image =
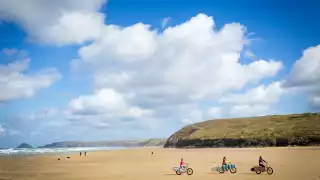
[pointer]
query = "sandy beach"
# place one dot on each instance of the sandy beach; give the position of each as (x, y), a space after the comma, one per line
(138, 164)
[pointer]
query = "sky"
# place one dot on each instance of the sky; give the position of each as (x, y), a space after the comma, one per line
(91, 70)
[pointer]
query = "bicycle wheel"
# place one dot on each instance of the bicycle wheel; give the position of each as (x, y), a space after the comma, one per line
(258, 170)
(178, 172)
(269, 170)
(233, 170)
(189, 171)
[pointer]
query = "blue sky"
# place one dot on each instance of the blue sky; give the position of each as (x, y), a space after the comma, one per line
(95, 70)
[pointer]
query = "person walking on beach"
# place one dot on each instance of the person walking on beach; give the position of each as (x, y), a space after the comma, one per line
(85, 153)
(80, 153)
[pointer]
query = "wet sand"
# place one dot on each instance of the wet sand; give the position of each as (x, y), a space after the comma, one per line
(138, 164)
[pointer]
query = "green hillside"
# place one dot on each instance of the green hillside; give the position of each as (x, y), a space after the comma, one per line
(273, 130)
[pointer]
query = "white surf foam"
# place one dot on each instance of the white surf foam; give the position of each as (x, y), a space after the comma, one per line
(33, 151)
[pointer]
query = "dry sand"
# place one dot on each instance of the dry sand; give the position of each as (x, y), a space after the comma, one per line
(138, 164)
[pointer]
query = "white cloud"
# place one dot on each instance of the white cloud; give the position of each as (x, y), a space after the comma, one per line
(165, 22)
(255, 102)
(305, 75)
(262, 94)
(15, 84)
(249, 110)
(189, 61)
(214, 112)
(306, 71)
(184, 64)
(194, 114)
(1, 131)
(133, 43)
(104, 104)
(57, 22)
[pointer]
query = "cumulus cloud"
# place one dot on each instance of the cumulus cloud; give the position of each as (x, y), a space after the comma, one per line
(15, 84)
(57, 22)
(256, 101)
(192, 60)
(184, 64)
(194, 114)
(305, 75)
(104, 104)
(262, 94)
(249, 110)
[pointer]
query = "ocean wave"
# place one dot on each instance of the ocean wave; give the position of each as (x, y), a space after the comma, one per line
(33, 151)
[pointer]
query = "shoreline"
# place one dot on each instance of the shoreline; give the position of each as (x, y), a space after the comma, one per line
(50, 151)
(294, 148)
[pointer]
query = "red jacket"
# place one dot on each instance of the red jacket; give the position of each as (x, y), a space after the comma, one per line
(181, 163)
(224, 161)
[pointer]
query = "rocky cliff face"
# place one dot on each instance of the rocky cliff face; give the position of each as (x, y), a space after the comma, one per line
(173, 140)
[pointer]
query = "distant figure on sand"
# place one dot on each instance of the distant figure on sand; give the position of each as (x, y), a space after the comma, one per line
(152, 153)
(85, 153)
(80, 154)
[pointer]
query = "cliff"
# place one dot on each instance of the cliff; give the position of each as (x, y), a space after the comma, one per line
(273, 130)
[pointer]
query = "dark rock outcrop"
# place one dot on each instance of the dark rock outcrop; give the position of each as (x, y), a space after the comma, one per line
(25, 146)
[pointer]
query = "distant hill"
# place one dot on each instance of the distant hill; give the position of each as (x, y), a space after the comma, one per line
(24, 145)
(120, 143)
(273, 130)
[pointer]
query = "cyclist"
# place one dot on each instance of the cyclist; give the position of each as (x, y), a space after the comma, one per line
(225, 163)
(261, 162)
(181, 163)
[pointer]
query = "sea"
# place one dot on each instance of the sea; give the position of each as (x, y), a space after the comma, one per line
(35, 151)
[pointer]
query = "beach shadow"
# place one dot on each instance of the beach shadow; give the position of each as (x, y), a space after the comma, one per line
(212, 162)
(253, 173)
(170, 174)
(249, 173)
(212, 173)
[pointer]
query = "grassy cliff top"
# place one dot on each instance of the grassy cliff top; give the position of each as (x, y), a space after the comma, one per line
(265, 127)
